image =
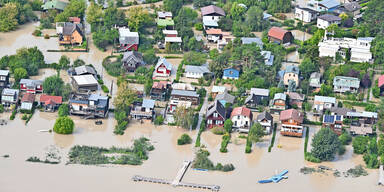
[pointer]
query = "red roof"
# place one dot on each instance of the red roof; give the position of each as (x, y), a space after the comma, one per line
(74, 19)
(28, 97)
(292, 114)
(214, 32)
(241, 111)
(277, 32)
(48, 99)
(160, 85)
(381, 81)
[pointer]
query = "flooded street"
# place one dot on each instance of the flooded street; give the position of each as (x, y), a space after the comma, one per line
(22, 141)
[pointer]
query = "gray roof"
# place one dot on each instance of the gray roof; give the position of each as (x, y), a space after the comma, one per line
(7, 91)
(212, 9)
(165, 62)
(216, 107)
(132, 56)
(346, 81)
(196, 69)
(341, 111)
(31, 82)
(268, 57)
(353, 6)
(85, 70)
(315, 75)
(184, 93)
(148, 103)
(96, 97)
(281, 96)
(128, 37)
(329, 18)
(163, 14)
(69, 28)
(325, 99)
(329, 3)
(4, 72)
(250, 40)
(264, 115)
(296, 96)
(292, 69)
(226, 97)
(307, 9)
(365, 114)
(258, 91)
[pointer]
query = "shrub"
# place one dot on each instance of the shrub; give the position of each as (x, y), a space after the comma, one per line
(359, 144)
(63, 110)
(184, 139)
(218, 130)
(341, 150)
(13, 115)
(345, 139)
(309, 157)
(46, 36)
(64, 125)
(1, 108)
(105, 89)
(159, 120)
(199, 26)
(36, 33)
(24, 117)
(224, 143)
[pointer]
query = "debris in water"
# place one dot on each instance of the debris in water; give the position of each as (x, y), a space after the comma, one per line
(356, 172)
(307, 170)
(6, 156)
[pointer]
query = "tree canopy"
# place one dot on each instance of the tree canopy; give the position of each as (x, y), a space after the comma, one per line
(325, 144)
(64, 125)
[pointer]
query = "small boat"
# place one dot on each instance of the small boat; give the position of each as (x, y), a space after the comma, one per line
(44, 130)
(197, 169)
(275, 178)
(98, 122)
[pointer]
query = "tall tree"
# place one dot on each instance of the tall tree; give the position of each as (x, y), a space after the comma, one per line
(8, 14)
(325, 144)
(125, 97)
(138, 18)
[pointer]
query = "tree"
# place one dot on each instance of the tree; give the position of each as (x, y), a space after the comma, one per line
(184, 139)
(75, 8)
(255, 19)
(279, 6)
(183, 117)
(374, 17)
(378, 49)
(201, 3)
(28, 58)
(194, 58)
(20, 73)
(219, 63)
(237, 11)
(138, 18)
(256, 132)
(63, 110)
(78, 62)
(173, 5)
(64, 62)
(8, 17)
(228, 125)
(359, 144)
(64, 125)
(125, 97)
(186, 17)
(307, 67)
(53, 85)
(94, 13)
(325, 144)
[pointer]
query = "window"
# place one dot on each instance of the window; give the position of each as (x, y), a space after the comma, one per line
(238, 117)
(215, 114)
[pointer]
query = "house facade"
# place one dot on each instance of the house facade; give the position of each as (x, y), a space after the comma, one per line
(129, 41)
(291, 121)
(257, 97)
(279, 102)
(322, 103)
(241, 118)
(280, 36)
(159, 90)
(315, 80)
(342, 84)
(211, 15)
(305, 14)
(27, 101)
(334, 122)
(326, 20)
(50, 103)
(196, 72)
(214, 35)
(296, 99)
(181, 95)
(4, 78)
(31, 86)
(291, 73)
(163, 68)
(143, 110)
(72, 34)
(9, 97)
(266, 121)
(216, 115)
(89, 105)
(132, 60)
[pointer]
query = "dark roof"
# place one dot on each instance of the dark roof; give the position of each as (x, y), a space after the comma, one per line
(212, 9)
(341, 111)
(329, 18)
(328, 119)
(216, 107)
(353, 6)
(69, 28)
(307, 9)
(132, 56)
(226, 97)
(264, 115)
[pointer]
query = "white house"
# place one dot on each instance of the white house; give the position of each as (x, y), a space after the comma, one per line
(305, 14)
(326, 20)
(163, 68)
(360, 48)
(196, 72)
(211, 15)
(266, 121)
(241, 118)
(324, 5)
(322, 102)
(214, 35)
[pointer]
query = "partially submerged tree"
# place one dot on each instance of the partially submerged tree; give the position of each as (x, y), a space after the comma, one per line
(325, 144)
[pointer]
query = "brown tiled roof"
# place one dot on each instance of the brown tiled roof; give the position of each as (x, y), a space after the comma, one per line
(241, 111)
(277, 33)
(292, 114)
(214, 32)
(48, 99)
(212, 9)
(28, 97)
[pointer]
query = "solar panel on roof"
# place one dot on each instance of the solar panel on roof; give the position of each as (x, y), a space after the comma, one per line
(338, 117)
(329, 118)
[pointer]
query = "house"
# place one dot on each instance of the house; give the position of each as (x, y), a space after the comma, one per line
(174, 104)
(268, 57)
(89, 105)
(159, 90)
(27, 101)
(322, 103)
(171, 40)
(50, 103)
(196, 72)
(132, 60)
(250, 40)
(183, 86)
(342, 84)
(291, 121)
(214, 35)
(241, 118)
(279, 102)
(225, 98)
(380, 84)
(9, 97)
(208, 23)
(280, 36)
(225, 39)
(163, 68)
(324, 5)
(266, 121)
(341, 111)
(324, 21)
(360, 48)
(231, 73)
(166, 23)
(305, 14)
(31, 86)
(217, 90)
(216, 115)
(170, 33)
(84, 70)
(296, 99)
(334, 122)
(164, 15)
(4, 78)
(143, 110)
(315, 80)
(70, 33)
(291, 73)
(257, 97)
(129, 41)
(362, 122)
(352, 8)
(84, 83)
(211, 15)
(180, 95)
(54, 4)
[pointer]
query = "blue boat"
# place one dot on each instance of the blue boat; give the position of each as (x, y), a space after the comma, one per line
(276, 178)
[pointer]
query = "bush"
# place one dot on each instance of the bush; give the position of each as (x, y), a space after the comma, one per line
(1, 108)
(218, 130)
(24, 117)
(105, 89)
(341, 150)
(345, 139)
(63, 110)
(120, 128)
(224, 143)
(309, 157)
(64, 125)
(184, 139)
(46, 36)
(359, 144)
(199, 26)
(36, 33)
(159, 120)
(13, 115)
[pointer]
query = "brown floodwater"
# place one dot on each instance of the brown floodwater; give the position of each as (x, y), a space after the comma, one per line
(22, 141)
